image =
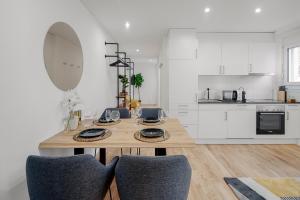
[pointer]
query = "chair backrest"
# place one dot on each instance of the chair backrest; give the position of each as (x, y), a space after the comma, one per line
(124, 112)
(150, 112)
(152, 178)
(68, 178)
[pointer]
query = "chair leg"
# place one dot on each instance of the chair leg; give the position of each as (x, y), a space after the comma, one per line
(95, 153)
(110, 193)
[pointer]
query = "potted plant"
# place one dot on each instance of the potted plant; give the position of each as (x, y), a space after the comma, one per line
(138, 82)
(125, 83)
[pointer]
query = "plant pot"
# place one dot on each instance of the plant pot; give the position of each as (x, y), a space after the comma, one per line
(123, 93)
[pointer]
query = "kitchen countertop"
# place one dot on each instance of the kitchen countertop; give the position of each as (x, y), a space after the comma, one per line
(250, 101)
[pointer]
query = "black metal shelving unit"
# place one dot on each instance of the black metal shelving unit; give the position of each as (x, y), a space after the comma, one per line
(121, 63)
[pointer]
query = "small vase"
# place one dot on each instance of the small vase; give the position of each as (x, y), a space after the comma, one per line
(73, 123)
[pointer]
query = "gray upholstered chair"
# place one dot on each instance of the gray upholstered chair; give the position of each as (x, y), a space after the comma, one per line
(68, 178)
(150, 112)
(153, 178)
(124, 112)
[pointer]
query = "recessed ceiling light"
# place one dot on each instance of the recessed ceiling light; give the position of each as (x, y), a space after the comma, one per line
(137, 50)
(258, 10)
(127, 25)
(207, 10)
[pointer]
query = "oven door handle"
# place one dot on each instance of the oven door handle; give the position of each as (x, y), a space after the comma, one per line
(271, 113)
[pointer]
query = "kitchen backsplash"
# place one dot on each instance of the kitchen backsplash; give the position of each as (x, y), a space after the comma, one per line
(256, 87)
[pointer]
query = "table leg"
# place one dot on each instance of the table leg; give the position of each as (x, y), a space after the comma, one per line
(78, 151)
(160, 151)
(102, 156)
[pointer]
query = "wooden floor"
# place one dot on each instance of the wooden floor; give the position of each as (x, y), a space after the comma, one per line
(210, 163)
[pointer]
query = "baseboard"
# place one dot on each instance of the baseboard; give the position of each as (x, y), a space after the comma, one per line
(248, 141)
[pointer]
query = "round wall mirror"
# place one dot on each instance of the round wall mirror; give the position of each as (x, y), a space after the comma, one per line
(63, 56)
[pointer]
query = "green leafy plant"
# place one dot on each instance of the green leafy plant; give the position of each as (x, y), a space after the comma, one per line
(125, 82)
(138, 81)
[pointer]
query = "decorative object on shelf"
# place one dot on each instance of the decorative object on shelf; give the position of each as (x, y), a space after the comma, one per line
(135, 104)
(125, 84)
(71, 104)
(138, 135)
(78, 138)
(138, 82)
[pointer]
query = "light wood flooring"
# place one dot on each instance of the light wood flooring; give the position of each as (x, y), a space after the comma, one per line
(211, 163)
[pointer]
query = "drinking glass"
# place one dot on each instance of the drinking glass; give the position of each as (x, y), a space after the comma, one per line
(161, 114)
(138, 113)
(115, 115)
(108, 115)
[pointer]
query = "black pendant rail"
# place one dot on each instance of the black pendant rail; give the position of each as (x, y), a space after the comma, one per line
(121, 62)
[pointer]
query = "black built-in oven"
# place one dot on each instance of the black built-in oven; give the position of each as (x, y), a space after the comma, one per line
(270, 121)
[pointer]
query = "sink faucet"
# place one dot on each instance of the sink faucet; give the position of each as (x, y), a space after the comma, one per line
(207, 93)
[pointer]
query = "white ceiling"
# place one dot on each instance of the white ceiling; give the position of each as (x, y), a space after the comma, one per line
(150, 19)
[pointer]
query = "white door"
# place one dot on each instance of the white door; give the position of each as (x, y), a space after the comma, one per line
(262, 58)
(183, 82)
(241, 124)
(235, 58)
(182, 44)
(209, 59)
(292, 121)
(212, 124)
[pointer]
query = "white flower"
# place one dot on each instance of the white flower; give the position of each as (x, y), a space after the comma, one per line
(71, 101)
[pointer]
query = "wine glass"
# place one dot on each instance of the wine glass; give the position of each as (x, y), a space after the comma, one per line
(108, 115)
(161, 115)
(115, 115)
(139, 113)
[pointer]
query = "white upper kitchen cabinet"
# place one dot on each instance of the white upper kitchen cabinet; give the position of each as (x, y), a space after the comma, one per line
(292, 125)
(262, 58)
(209, 59)
(183, 83)
(183, 44)
(241, 121)
(235, 58)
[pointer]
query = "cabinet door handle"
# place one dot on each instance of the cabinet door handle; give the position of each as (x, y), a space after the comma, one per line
(183, 112)
(225, 116)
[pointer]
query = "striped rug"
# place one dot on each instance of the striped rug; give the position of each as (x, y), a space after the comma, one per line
(265, 188)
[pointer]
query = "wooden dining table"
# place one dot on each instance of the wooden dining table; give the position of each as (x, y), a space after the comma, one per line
(122, 136)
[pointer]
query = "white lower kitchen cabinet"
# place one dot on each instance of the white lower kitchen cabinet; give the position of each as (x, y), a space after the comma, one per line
(212, 124)
(185, 116)
(241, 123)
(192, 130)
(292, 122)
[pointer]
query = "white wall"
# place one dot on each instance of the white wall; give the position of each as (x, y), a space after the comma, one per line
(149, 90)
(30, 110)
